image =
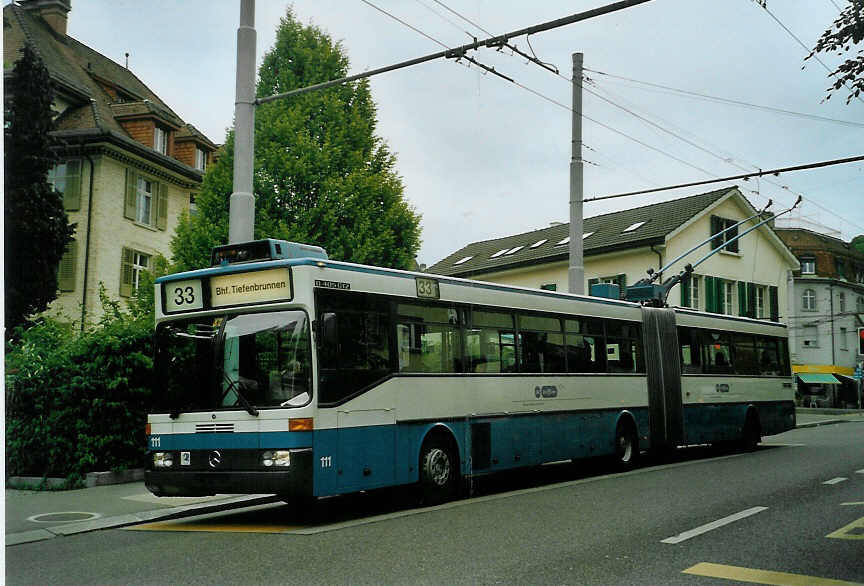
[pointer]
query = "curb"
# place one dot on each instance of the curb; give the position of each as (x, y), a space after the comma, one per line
(91, 479)
(141, 517)
(818, 423)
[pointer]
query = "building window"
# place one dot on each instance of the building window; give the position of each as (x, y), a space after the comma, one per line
(761, 294)
(200, 159)
(844, 339)
(727, 298)
(144, 190)
(810, 337)
(133, 265)
(193, 206)
(719, 224)
(859, 305)
(65, 178)
(691, 291)
(841, 302)
(808, 266)
(160, 140)
(808, 300)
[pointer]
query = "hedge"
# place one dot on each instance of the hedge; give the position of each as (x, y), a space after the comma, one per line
(78, 402)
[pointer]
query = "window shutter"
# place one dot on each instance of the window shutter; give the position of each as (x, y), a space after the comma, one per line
(126, 272)
(162, 199)
(710, 295)
(72, 193)
(733, 247)
(685, 289)
(622, 284)
(592, 282)
(774, 303)
(66, 270)
(751, 300)
(131, 194)
(743, 308)
(716, 226)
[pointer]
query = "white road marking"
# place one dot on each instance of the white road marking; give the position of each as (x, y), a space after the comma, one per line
(837, 480)
(859, 471)
(778, 445)
(713, 525)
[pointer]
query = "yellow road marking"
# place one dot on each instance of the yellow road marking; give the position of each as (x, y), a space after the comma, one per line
(761, 576)
(179, 526)
(854, 530)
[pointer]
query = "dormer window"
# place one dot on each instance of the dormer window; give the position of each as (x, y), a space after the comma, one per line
(200, 159)
(160, 140)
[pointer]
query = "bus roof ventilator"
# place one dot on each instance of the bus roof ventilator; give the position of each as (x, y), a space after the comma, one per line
(261, 250)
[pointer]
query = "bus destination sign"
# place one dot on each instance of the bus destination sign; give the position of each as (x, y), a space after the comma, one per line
(251, 287)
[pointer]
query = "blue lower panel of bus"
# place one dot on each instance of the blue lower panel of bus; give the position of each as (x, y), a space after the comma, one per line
(362, 458)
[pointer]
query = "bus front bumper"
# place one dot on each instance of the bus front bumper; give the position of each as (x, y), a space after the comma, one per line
(294, 480)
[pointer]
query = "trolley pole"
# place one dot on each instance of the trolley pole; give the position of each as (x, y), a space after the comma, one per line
(241, 214)
(576, 270)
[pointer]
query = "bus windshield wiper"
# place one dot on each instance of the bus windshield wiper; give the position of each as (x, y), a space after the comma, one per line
(236, 385)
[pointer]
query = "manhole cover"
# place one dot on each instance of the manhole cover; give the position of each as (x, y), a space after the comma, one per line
(65, 517)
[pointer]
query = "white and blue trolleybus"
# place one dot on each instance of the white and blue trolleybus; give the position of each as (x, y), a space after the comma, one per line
(284, 372)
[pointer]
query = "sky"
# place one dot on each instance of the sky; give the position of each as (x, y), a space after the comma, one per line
(482, 157)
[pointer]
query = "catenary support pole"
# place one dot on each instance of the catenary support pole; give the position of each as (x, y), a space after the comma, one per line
(576, 269)
(241, 215)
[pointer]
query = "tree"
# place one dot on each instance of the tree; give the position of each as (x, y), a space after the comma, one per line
(321, 176)
(36, 226)
(857, 243)
(846, 31)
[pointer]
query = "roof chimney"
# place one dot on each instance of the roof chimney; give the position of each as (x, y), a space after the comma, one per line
(54, 12)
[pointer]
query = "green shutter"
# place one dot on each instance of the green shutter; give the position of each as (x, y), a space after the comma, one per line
(685, 289)
(743, 309)
(162, 205)
(716, 226)
(622, 284)
(710, 295)
(72, 193)
(774, 303)
(733, 233)
(126, 272)
(66, 270)
(131, 194)
(751, 300)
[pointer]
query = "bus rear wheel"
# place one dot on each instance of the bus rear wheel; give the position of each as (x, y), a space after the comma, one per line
(439, 472)
(626, 446)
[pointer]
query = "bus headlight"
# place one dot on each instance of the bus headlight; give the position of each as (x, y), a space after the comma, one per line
(272, 458)
(163, 460)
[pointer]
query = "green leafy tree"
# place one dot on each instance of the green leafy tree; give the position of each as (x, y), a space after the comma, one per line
(36, 227)
(858, 243)
(847, 30)
(322, 176)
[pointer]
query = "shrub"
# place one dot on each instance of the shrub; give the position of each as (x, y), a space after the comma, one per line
(77, 402)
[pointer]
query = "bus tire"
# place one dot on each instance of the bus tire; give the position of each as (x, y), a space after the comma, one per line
(626, 445)
(751, 434)
(439, 471)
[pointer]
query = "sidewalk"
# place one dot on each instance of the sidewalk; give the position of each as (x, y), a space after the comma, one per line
(813, 417)
(37, 515)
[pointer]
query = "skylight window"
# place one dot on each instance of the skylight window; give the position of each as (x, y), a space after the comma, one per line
(632, 227)
(466, 259)
(586, 235)
(515, 250)
(539, 242)
(565, 241)
(499, 253)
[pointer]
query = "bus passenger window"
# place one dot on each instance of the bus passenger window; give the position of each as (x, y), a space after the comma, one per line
(768, 356)
(745, 354)
(717, 353)
(621, 355)
(690, 351)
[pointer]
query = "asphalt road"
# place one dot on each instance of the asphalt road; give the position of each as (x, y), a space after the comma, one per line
(707, 513)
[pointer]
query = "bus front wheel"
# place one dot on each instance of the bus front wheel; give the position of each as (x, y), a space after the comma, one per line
(439, 472)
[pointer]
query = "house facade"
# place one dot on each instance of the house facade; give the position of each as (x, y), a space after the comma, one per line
(129, 165)
(751, 277)
(828, 295)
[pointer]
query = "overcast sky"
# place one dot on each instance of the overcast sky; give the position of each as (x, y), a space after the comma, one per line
(481, 157)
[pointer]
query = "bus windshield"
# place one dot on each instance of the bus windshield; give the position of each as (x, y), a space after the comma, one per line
(239, 361)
